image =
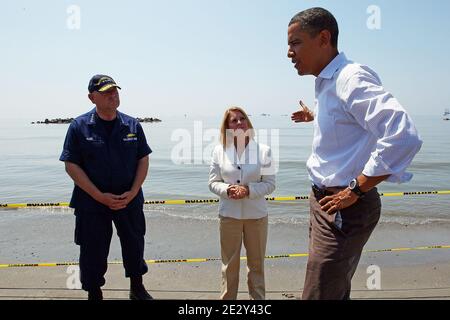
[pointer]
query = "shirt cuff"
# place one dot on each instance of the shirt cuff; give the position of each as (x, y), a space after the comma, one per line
(224, 190)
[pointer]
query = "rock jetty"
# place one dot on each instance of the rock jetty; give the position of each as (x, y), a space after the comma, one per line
(54, 121)
(148, 120)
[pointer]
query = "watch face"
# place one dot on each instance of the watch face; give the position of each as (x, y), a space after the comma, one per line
(353, 184)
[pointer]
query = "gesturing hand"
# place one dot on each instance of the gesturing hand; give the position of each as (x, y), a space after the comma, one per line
(304, 115)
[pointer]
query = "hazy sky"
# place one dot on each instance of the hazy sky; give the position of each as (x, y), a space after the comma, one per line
(198, 57)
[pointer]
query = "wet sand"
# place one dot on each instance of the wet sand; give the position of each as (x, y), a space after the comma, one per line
(284, 280)
(38, 238)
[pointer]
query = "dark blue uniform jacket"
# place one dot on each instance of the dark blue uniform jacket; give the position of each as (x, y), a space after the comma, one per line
(110, 163)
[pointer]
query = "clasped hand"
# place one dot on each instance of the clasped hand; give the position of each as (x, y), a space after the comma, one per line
(117, 202)
(237, 192)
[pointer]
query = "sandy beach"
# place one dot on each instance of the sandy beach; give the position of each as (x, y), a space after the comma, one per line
(284, 280)
(413, 274)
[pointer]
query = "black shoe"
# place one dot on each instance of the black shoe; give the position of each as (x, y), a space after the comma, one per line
(140, 294)
(95, 294)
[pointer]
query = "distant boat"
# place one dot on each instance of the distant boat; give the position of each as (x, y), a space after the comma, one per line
(447, 115)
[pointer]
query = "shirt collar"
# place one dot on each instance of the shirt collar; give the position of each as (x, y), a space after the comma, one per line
(329, 71)
(92, 117)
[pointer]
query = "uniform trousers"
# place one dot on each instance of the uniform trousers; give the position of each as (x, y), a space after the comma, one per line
(93, 233)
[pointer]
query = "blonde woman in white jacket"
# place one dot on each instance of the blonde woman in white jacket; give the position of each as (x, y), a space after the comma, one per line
(242, 174)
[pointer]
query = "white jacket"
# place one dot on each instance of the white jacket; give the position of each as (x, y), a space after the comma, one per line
(254, 169)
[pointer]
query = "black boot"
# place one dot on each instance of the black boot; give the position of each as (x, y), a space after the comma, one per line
(95, 294)
(137, 289)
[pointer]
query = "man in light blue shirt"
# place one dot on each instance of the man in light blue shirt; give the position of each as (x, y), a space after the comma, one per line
(362, 136)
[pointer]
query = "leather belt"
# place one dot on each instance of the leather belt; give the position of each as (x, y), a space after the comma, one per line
(320, 193)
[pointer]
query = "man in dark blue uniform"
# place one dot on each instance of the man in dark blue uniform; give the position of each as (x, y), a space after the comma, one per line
(106, 155)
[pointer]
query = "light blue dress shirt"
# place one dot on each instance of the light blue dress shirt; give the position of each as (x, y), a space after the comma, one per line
(359, 127)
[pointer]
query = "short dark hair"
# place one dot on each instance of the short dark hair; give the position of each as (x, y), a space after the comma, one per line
(315, 20)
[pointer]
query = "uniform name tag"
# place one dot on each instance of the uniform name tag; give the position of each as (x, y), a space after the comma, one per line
(94, 139)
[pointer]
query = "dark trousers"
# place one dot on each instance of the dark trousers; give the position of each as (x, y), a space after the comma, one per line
(334, 252)
(93, 233)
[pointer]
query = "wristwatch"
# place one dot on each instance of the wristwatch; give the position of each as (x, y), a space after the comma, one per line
(354, 187)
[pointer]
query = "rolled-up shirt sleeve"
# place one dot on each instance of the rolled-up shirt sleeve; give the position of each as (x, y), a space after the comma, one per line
(378, 112)
(71, 150)
(216, 183)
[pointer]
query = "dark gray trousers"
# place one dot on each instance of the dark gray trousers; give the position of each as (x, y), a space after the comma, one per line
(334, 252)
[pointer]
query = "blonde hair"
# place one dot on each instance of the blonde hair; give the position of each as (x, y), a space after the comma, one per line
(224, 126)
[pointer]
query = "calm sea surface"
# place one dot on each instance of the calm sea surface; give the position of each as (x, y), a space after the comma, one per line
(30, 171)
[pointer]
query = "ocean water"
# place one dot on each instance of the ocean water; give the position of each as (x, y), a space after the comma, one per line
(30, 171)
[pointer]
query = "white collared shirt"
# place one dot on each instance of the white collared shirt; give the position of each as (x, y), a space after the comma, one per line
(359, 127)
(227, 168)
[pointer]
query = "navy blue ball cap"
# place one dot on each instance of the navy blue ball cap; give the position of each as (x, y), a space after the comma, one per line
(101, 83)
